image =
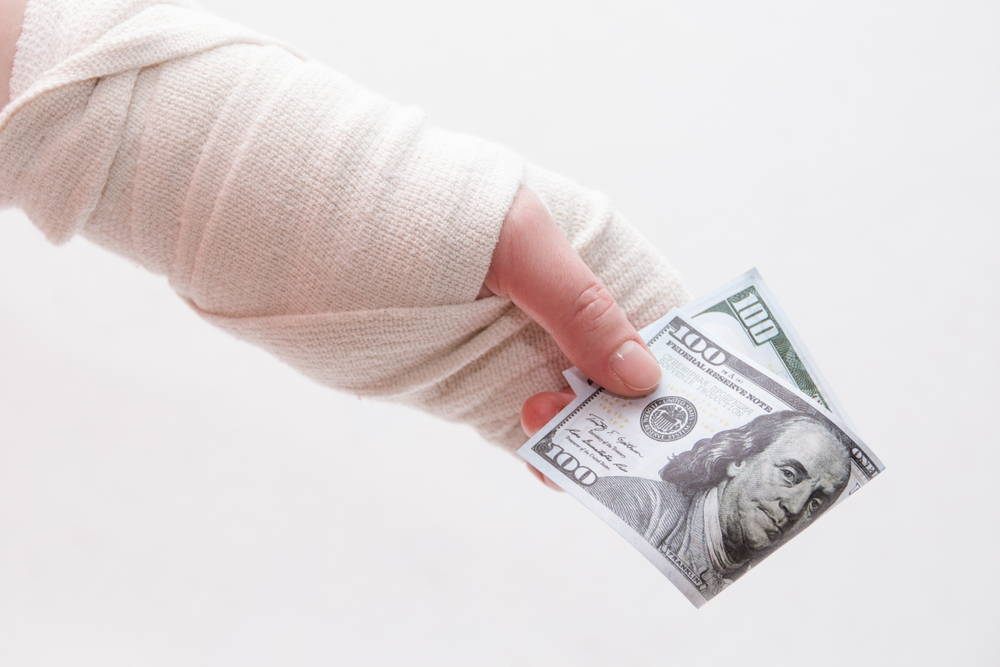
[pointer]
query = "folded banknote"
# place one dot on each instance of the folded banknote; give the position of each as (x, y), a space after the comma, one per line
(740, 448)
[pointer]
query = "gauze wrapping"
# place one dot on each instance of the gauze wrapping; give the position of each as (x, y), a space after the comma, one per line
(293, 208)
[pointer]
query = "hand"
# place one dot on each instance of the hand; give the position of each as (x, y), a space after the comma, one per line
(535, 267)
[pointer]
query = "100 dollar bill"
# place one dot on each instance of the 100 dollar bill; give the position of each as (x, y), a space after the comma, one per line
(745, 315)
(722, 464)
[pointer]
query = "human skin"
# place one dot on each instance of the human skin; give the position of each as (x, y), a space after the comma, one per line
(770, 497)
(11, 17)
(534, 266)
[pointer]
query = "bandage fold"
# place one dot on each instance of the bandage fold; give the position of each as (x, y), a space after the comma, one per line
(293, 208)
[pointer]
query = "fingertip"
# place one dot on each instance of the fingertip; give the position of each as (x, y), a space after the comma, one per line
(635, 367)
(543, 479)
(552, 485)
(540, 409)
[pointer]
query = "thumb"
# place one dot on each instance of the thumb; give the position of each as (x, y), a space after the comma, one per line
(535, 267)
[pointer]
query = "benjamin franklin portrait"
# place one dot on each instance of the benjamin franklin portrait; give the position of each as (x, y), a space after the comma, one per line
(735, 497)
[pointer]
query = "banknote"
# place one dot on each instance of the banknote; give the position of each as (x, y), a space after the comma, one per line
(714, 470)
(745, 315)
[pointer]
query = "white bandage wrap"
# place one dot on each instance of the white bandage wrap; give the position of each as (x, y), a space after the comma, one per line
(293, 208)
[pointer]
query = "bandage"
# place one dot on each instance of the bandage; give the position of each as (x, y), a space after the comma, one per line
(294, 209)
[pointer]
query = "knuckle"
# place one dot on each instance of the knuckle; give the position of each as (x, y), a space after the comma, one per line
(593, 310)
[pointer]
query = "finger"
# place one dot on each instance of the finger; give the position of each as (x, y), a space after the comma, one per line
(543, 479)
(539, 410)
(535, 267)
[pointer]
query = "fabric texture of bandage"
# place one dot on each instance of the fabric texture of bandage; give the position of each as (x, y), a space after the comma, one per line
(293, 208)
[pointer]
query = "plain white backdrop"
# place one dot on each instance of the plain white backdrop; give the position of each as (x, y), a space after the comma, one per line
(169, 496)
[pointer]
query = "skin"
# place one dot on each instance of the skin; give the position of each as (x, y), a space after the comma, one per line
(533, 265)
(772, 496)
(11, 17)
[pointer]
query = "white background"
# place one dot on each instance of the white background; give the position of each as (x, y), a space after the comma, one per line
(169, 496)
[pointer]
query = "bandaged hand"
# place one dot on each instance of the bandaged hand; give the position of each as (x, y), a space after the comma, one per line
(301, 213)
(535, 267)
